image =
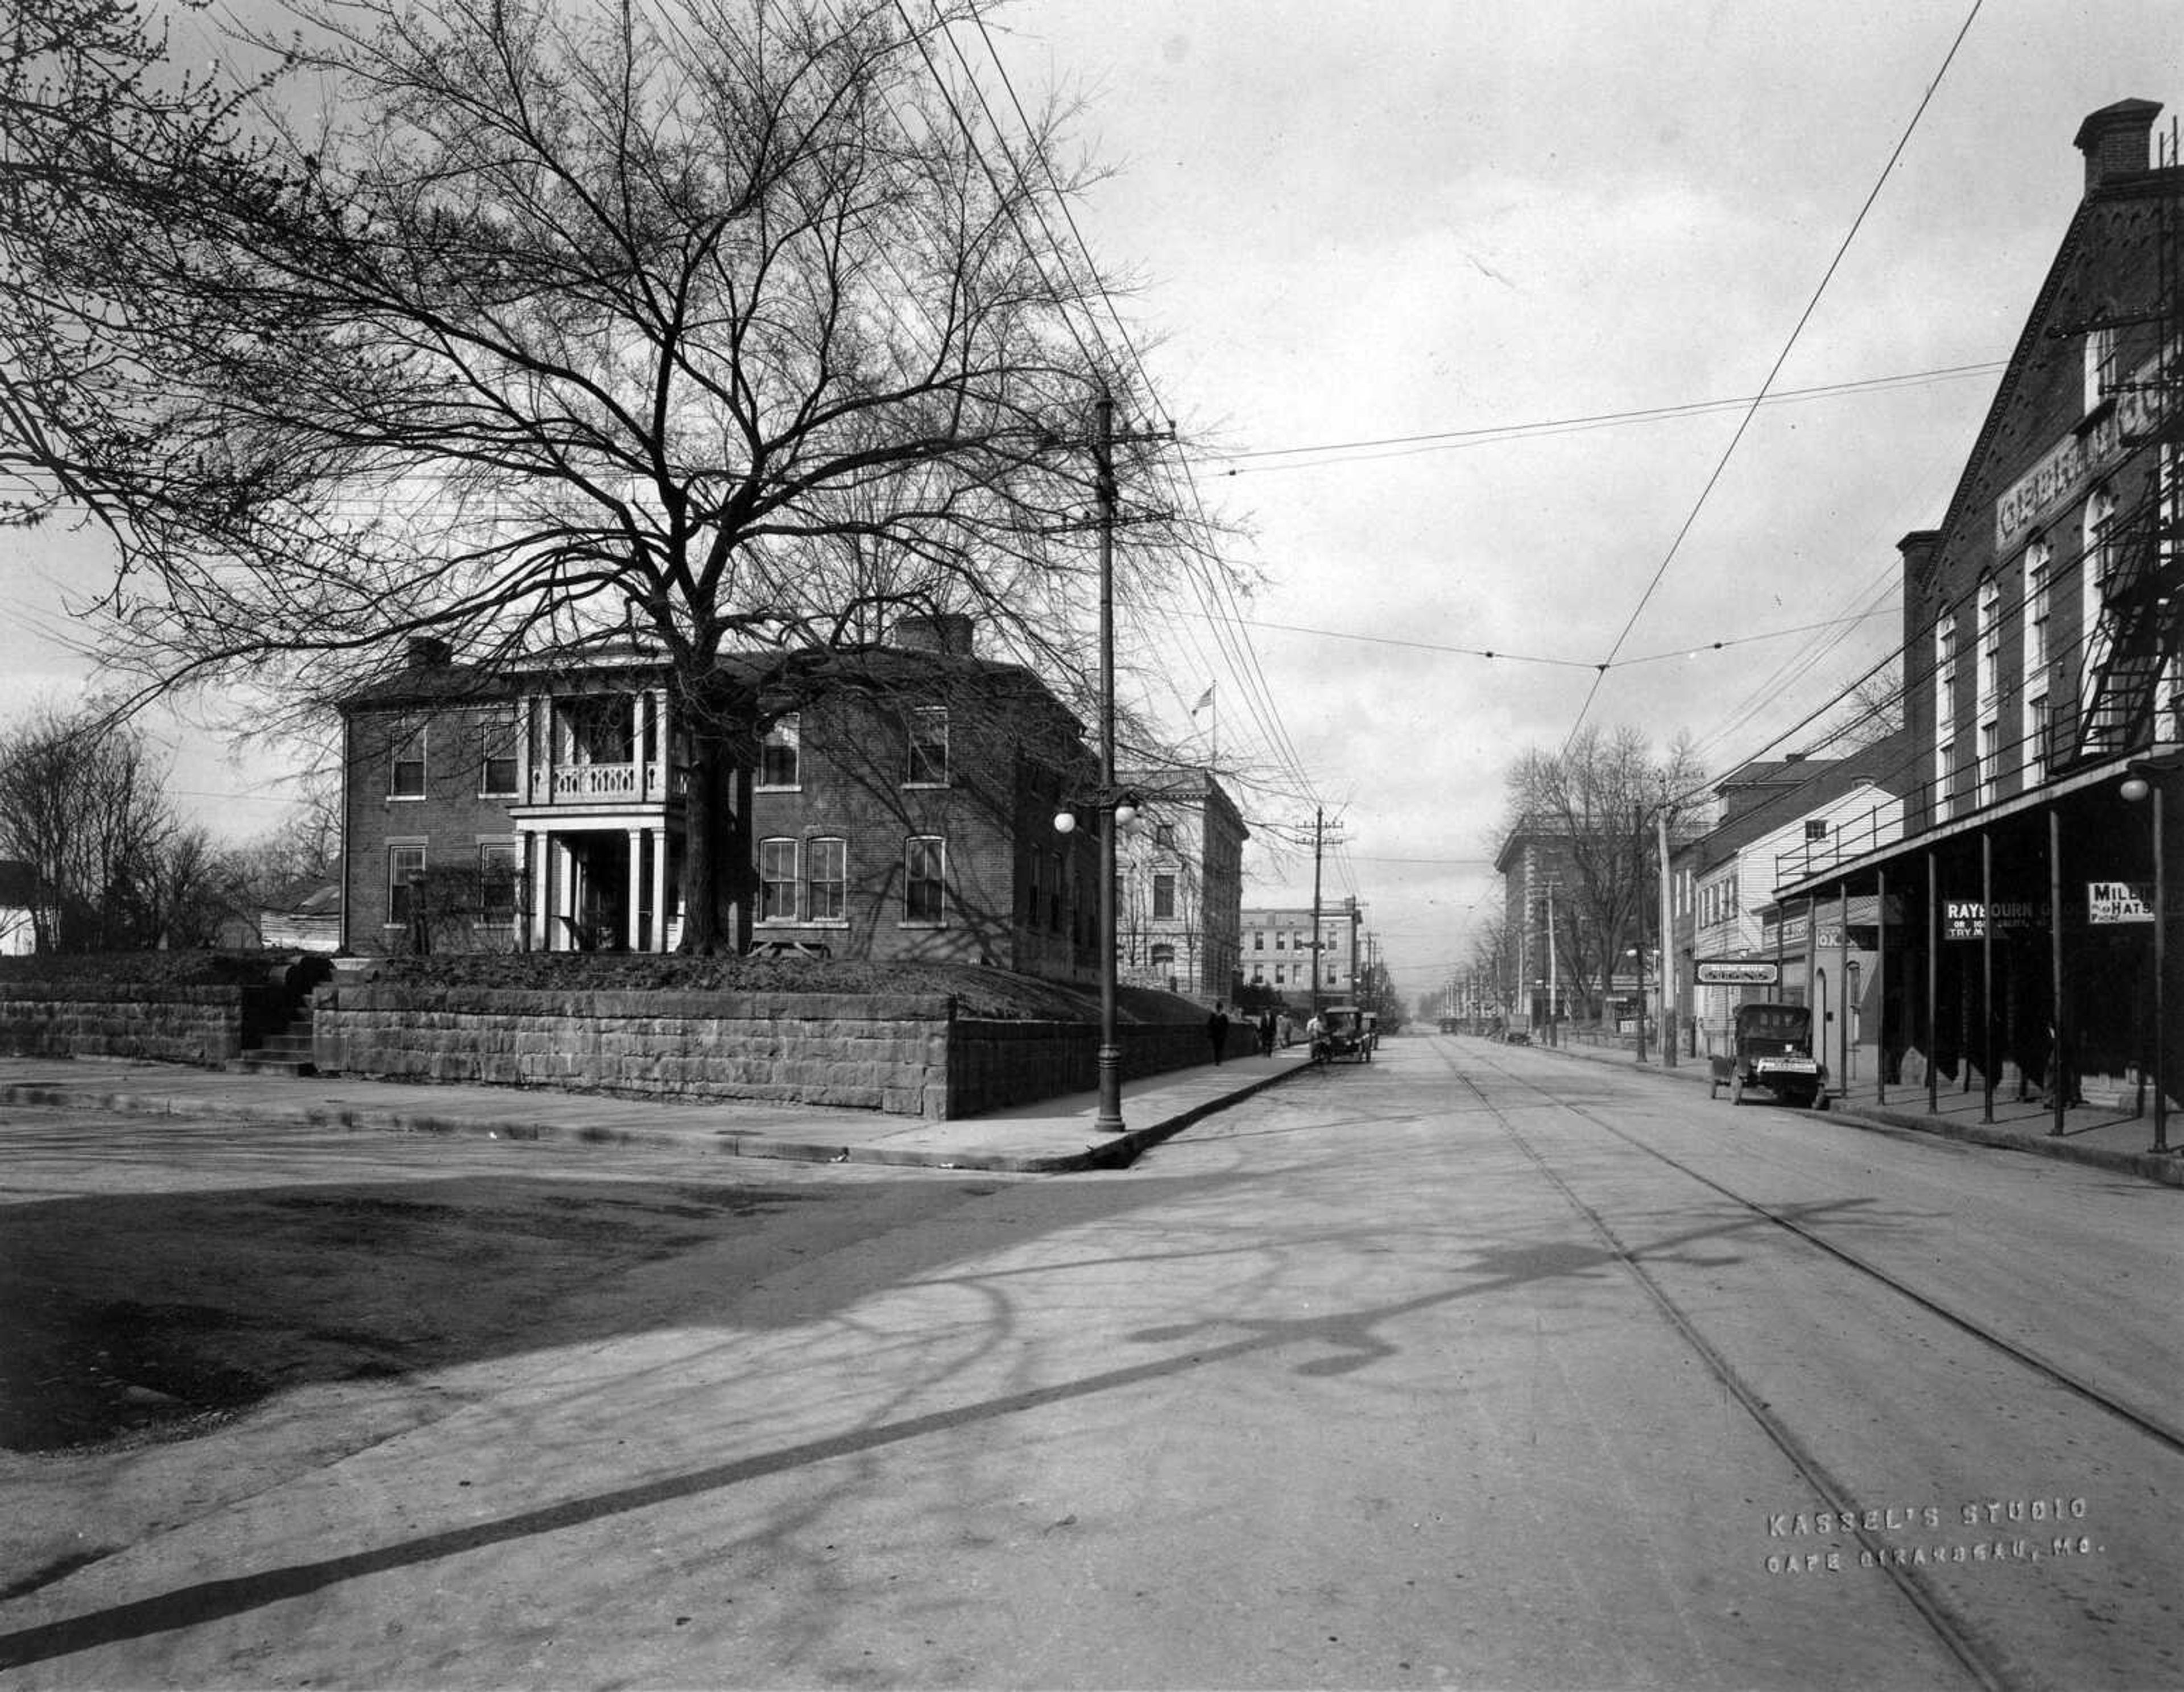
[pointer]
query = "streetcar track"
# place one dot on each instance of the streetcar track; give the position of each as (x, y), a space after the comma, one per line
(2056, 1374)
(1954, 1631)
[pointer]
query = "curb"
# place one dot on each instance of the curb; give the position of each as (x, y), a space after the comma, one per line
(1117, 1153)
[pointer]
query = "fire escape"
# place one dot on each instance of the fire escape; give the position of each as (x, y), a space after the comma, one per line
(2134, 647)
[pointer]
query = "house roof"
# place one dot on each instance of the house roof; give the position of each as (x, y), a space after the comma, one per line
(1779, 791)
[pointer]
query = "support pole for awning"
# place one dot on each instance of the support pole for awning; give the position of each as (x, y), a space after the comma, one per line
(1987, 975)
(2160, 971)
(1881, 974)
(2058, 1082)
(1933, 982)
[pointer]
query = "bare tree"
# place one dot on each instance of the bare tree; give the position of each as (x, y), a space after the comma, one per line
(82, 803)
(1596, 799)
(728, 322)
(1871, 710)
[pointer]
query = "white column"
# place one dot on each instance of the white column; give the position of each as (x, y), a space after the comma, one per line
(660, 764)
(534, 889)
(635, 886)
(565, 900)
(659, 889)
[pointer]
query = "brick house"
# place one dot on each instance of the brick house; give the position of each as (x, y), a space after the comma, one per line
(1278, 952)
(903, 810)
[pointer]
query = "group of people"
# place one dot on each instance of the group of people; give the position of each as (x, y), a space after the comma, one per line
(1267, 1026)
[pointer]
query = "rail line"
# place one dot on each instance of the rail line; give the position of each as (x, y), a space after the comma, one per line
(1953, 1632)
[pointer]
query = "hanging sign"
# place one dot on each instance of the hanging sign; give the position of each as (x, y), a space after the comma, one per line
(2118, 902)
(1738, 972)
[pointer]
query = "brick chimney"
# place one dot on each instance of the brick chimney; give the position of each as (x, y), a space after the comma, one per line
(950, 632)
(2114, 140)
(429, 652)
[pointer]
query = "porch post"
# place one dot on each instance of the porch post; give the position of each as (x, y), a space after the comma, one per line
(1881, 984)
(1933, 982)
(565, 900)
(1987, 975)
(2058, 1023)
(659, 889)
(633, 923)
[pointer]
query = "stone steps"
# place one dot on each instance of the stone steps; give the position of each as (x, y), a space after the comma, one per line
(287, 1052)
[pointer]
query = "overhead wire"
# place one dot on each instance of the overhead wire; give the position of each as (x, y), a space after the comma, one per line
(1743, 423)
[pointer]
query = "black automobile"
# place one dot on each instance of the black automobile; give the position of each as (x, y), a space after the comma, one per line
(1770, 1047)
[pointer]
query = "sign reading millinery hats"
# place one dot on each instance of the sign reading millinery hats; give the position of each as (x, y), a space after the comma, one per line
(2118, 902)
(1738, 972)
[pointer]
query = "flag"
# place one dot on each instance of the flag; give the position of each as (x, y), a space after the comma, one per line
(1204, 699)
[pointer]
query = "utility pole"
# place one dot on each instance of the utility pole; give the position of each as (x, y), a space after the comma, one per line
(1318, 843)
(1108, 1116)
(1668, 1018)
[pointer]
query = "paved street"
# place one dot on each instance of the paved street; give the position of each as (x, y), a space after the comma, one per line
(1473, 1366)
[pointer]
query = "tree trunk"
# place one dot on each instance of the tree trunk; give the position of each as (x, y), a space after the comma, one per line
(717, 871)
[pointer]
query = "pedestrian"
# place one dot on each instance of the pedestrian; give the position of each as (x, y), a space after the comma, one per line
(1266, 1033)
(1315, 1033)
(1216, 1030)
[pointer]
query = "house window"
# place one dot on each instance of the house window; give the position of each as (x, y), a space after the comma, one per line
(2036, 739)
(776, 881)
(777, 753)
(403, 862)
(1945, 759)
(1816, 829)
(828, 864)
(1163, 957)
(1164, 896)
(925, 873)
(496, 732)
(1164, 835)
(929, 747)
(1281, 971)
(1258, 940)
(1990, 753)
(405, 778)
(1280, 942)
(499, 864)
(1945, 677)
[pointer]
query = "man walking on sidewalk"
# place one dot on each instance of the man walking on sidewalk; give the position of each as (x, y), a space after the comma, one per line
(1216, 1030)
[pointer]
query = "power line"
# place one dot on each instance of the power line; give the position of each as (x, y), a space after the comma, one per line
(1781, 358)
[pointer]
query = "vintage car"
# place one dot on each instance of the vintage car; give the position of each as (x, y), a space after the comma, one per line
(1343, 1034)
(1771, 1046)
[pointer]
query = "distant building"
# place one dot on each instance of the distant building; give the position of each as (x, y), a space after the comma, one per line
(1279, 951)
(18, 895)
(303, 916)
(1179, 870)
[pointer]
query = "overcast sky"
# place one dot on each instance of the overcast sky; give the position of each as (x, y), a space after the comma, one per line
(1364, 222)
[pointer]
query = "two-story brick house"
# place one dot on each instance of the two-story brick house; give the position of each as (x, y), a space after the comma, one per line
(902, 809)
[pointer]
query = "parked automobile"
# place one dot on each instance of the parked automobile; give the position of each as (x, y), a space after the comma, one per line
(1343, 1034)
(1770, 1047)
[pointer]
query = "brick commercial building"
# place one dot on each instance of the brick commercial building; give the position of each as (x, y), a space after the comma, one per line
(904, 811)
(2032, 937)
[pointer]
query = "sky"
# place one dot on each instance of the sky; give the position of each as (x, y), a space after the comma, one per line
(1353, 223)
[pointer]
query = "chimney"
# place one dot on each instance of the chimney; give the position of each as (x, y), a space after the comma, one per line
(1917, 551)
(2114, 140)
(428, 652)
(950, 632)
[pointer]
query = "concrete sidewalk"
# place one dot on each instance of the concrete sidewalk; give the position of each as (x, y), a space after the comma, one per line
(2104, 1136)
(1049, 1138)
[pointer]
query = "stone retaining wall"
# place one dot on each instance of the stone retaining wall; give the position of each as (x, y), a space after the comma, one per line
(194, 1025)
(907, 1055)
